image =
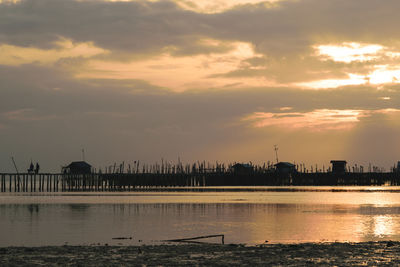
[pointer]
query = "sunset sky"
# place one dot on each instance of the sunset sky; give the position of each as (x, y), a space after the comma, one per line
(214, 80)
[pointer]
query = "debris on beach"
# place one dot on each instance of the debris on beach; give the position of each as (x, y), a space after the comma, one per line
(332, 254)
(192, 239)
(121, 238)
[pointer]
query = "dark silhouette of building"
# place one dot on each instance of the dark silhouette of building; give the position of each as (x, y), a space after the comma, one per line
(338, 166)
(77, 167)
(242, 168)
(285, 168)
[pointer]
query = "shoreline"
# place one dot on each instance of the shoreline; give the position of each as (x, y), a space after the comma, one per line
(342, 254)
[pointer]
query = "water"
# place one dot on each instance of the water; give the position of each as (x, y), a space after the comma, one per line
(244, 215)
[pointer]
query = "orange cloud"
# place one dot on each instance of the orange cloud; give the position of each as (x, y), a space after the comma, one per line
(316, 120)
(179, 72)
(9, 1)
(16, 55)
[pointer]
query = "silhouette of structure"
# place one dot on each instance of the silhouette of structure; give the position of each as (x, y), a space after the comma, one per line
(276, 153)
(79, 176)
(77, 167)
(338, 166)
(285, 168)
(242, 168)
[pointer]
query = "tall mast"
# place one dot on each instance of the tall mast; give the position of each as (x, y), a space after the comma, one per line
(15, 165)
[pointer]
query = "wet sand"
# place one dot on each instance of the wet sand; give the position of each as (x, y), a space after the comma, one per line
(338, 254)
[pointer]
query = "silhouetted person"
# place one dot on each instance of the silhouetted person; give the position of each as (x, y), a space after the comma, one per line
(30, 170)
(37, 168)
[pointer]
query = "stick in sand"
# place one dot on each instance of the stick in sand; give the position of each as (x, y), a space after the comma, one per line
(195, 238)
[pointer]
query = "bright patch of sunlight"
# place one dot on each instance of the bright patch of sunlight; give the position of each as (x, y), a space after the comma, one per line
(383, 225)
(334, 83)
(385, 74)
(348, 52)
(379, 75)
(216, 6)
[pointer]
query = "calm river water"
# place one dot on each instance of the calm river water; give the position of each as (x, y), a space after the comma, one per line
(248, 215)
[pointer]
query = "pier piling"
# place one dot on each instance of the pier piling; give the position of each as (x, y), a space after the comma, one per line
(189, 176)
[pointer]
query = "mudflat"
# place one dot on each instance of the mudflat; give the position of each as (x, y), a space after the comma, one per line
(339, 254)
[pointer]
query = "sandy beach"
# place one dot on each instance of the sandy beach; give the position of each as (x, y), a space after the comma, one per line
(331, 254)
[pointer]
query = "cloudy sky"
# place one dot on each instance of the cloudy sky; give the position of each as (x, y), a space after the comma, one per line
(206, 80)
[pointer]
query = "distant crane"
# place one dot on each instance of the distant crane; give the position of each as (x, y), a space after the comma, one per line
(276, 153)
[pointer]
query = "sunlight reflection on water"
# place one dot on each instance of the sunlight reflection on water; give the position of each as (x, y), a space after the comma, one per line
(246, 216)
(383, 225)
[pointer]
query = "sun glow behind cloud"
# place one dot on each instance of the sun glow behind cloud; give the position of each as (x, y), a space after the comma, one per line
(316, 120)
(349, 52)
(385, 74)
(381, 68)
(353, 79)
(215, 6)
(208, 6)
(179, 72)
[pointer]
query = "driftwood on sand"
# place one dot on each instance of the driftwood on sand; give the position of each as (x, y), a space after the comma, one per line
(191, 239)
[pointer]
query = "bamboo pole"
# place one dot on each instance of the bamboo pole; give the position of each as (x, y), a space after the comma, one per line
(196, 238)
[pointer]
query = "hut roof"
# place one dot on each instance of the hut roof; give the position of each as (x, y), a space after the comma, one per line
(285, 164)
(242, 165)
(339, 161)
(79, 164)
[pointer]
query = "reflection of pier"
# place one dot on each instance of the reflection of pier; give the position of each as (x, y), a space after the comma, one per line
(50, 182)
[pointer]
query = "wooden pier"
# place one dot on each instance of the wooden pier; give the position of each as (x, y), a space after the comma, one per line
(57, 182)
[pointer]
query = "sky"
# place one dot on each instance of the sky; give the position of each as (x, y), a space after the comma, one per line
(194, 80)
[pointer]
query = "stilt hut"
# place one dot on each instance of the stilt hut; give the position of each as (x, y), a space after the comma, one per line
(338, 166)
(242, 168)
(77, 167)
(285, 168)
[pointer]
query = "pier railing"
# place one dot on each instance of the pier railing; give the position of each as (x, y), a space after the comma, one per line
(57, 182)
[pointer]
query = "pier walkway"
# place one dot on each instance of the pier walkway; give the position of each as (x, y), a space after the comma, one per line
(57, 182)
